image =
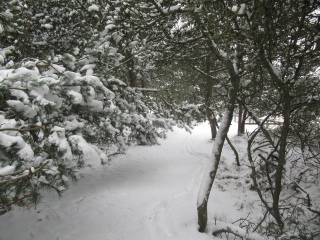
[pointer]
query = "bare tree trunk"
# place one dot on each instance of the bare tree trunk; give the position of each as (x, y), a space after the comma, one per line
(282, 157)
(212, 168)
(212, 123)
(232, 68)
(240, 120)
(208, 95)
(133, 82)
(243, 121)
(214, 161)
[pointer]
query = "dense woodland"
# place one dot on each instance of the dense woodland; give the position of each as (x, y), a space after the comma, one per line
(90, 78)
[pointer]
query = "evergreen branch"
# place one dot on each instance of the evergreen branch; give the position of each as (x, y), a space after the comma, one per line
(158, 8)
(162, 98)
(46, 64)
(214, 72)
(21, 130)
(147, 89)
(115, 66)
(50, 186)
(22, 89)
(16, 179)
(27, 59)
(83, 6)
(188, 41)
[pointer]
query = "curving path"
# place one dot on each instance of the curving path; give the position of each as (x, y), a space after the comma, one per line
(149, 193)
(173, 216)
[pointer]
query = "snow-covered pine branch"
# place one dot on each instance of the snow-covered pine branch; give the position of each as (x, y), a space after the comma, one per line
(58, 120)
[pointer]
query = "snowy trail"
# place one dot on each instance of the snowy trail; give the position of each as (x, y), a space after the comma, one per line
(149, 193)
(169, 217)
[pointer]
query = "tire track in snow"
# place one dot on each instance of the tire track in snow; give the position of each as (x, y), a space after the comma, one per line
(161, 213)
(189, 148)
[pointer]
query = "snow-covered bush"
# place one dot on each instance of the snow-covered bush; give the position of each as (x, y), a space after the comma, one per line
(300, 199)
(54, 120)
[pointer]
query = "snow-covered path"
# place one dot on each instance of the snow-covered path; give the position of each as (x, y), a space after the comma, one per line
(149, 193)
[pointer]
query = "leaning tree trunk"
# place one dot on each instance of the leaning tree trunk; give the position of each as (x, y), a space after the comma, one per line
(213, 164)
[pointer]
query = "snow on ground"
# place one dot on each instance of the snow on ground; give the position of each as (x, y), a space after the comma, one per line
(149, 193)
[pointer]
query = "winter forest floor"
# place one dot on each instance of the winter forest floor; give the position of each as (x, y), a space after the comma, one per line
(148, 193)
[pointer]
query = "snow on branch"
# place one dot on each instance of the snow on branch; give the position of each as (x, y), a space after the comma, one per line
(14, 177)
(276, 72)
(258, 122)
(221, 227)
(222, 53)
(21, 129)
(146, 89)
(214, 72)
(166, 11)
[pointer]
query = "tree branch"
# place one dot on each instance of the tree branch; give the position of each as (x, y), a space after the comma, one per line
(214, 72)
(21, 130)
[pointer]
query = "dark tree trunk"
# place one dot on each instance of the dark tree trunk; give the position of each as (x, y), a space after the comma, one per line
(242, 116)
(240, 120)
(213, 128)
(132, 73)
(243, 121)
(282, 157)
(208, 95)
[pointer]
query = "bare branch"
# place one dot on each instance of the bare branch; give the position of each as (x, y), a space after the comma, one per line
(147, 89)
(214, 72)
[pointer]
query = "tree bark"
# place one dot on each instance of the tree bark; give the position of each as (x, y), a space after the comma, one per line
(214, 161)
(242, 116)
(212, 123)
(208, 95)
(243, 121)
(211, 171)
(240, 120)
(282, 156)
(133, 82)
